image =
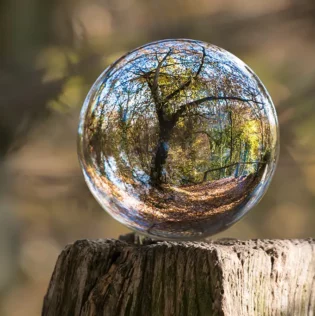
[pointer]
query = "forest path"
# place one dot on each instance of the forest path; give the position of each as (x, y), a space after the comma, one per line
(203, 199)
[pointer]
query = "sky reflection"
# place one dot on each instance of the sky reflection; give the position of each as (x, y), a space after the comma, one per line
(180, 137)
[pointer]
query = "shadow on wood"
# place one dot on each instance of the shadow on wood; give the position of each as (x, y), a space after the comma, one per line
(224, 277)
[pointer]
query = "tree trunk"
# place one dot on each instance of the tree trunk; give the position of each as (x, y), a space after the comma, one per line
(224, 277)
(157, 174)
(159, 162)
(231, 137)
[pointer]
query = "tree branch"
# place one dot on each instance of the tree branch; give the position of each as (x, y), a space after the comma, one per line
(231, 165)
(154, 86)
(183, 108)
(188, 82)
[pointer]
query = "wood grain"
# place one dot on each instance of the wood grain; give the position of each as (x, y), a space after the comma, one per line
(224, 277)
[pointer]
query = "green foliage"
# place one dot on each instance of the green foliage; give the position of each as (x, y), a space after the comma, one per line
(180, 115)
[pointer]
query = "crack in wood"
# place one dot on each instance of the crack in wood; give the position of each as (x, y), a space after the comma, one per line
(223, 277)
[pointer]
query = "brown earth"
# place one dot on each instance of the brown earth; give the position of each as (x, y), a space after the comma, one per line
(201, 200)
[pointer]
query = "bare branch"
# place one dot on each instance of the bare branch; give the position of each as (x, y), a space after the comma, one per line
(231, 165)
(154, 86)
(188, 82)
(183, 108)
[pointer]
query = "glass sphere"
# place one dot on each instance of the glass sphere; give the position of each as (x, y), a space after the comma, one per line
(178, 139)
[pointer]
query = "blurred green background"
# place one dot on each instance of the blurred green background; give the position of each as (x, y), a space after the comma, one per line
(50, 54)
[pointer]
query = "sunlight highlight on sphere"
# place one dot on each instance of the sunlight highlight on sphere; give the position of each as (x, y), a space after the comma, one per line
(178, 139)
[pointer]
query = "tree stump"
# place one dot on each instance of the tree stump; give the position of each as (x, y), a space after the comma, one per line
(224, 277)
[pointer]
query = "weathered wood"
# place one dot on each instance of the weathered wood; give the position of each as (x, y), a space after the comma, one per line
(224, 277)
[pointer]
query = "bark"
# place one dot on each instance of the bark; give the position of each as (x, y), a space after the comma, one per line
(190, 105)
(187, 83)
(224, 277)
(166, 124)
(231, 136)
(161, 153)
(231, 165)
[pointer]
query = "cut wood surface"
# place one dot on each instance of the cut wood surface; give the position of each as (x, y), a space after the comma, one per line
(223, 277)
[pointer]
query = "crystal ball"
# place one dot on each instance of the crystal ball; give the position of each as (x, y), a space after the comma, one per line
(178, 139)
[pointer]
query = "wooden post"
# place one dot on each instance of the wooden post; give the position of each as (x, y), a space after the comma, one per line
(224, 277)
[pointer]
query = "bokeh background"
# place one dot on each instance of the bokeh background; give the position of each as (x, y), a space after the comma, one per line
(50, 54)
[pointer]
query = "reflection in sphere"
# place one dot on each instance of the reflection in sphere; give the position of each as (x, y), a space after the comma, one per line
(178, 139)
